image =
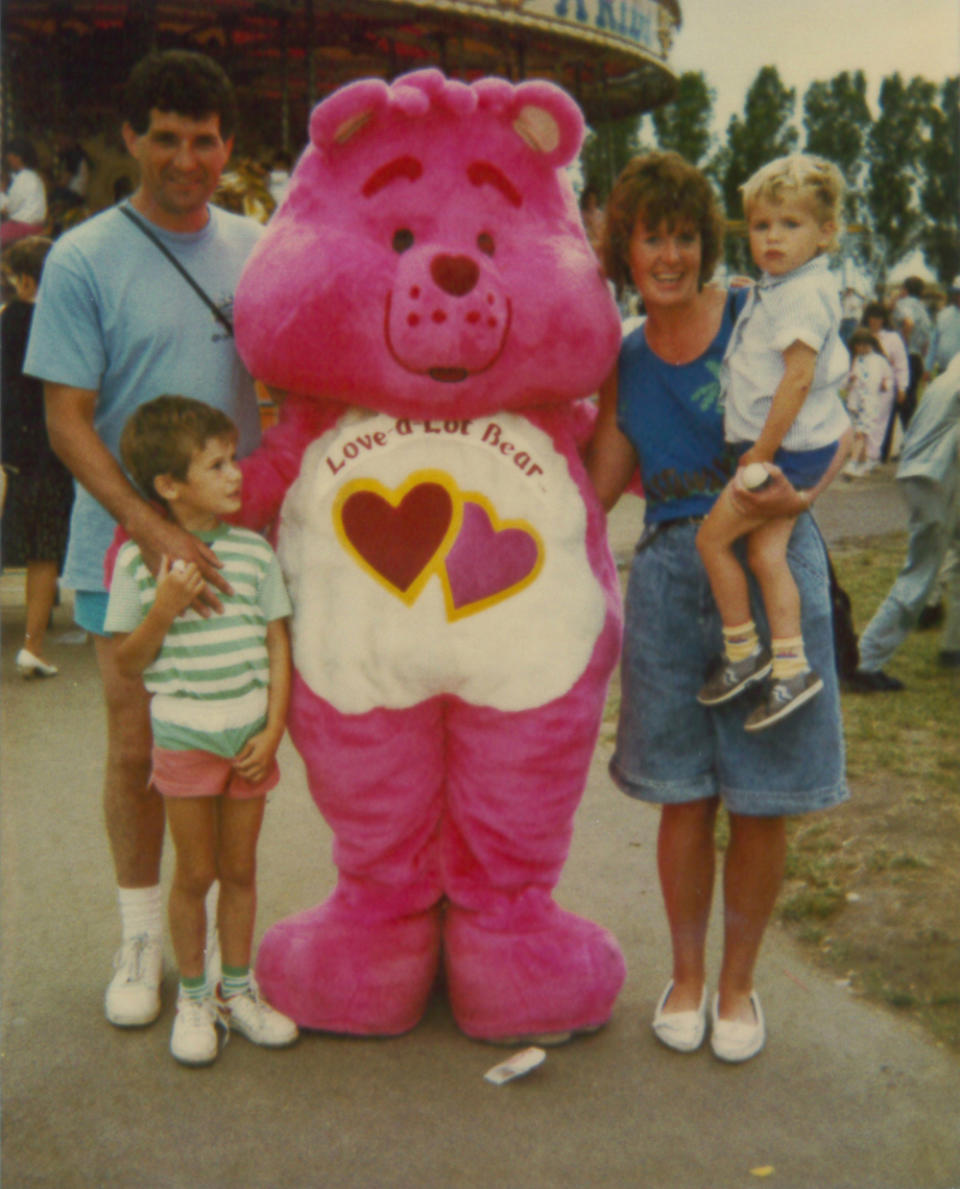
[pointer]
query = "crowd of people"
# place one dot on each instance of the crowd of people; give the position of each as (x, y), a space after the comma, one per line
(737, 405)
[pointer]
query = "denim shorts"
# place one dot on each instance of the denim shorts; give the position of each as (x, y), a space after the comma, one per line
(804, 468)
(672, 750)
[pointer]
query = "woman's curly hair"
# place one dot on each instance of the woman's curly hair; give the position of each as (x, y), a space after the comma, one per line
(660, 187)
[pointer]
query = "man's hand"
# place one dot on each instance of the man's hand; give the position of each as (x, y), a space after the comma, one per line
(159, 538)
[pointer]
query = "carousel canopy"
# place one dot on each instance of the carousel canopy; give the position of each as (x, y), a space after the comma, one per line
(65, 60)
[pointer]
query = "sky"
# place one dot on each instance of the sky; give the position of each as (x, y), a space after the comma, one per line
(813, 40)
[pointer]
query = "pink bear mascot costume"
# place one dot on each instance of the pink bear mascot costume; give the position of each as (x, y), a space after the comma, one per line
(427, 299)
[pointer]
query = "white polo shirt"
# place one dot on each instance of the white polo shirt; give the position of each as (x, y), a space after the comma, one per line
(802, 306)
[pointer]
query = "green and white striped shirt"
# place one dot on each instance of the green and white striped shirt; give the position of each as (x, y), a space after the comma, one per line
(210, 678)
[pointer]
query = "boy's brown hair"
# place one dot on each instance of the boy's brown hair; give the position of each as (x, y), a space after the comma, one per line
(163, 435)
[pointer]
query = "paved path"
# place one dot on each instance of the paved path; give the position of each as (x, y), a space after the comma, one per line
(846, 1096)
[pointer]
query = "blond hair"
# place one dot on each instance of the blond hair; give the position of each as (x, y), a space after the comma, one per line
(801, 176)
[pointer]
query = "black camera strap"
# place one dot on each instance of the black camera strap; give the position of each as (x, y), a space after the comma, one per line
(194, 285)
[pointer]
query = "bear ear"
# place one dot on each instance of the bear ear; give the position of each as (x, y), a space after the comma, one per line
(345, 112)
(548, 120)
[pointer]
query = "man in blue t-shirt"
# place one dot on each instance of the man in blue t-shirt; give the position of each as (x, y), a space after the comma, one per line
(116, 325)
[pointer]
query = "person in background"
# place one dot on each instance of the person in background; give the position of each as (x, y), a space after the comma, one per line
(278, 178)
(23, 204)
(39, 494)
(929, 478)
(911, 319)
(871, 390)
(116, 324)
(662, 408)
(946, 332)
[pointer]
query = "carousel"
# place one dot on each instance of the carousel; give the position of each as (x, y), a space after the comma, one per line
(65, 61)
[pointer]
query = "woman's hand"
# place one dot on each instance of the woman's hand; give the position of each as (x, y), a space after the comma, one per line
(777, 498)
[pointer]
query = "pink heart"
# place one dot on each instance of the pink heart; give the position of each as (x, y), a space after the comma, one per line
(484, 562)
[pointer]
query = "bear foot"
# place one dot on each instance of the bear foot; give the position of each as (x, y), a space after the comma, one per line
(540, 979)
(332, 970)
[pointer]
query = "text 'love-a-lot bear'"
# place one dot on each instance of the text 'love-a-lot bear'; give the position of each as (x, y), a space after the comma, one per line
(427, 298)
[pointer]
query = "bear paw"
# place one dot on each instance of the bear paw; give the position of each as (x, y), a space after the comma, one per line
(544, 979)
(333, 971)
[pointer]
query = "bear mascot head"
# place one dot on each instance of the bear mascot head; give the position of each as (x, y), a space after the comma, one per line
(427, 302)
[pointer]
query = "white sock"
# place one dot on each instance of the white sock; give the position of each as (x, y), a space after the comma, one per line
(141, 911)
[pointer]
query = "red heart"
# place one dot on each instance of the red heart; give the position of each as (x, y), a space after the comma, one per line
(398, 542)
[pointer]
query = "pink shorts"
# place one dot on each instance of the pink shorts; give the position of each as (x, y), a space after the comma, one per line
(196, 773)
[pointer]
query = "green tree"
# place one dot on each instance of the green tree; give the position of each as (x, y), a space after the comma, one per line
(895, 154)
(837, 119)
(684, 124)
(940, 188)
(764, 132)
(606, 150)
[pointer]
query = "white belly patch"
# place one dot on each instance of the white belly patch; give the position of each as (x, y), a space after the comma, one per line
(429, 557)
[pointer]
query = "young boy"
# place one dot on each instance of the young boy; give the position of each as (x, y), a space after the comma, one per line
(784, 369)
(220, 686)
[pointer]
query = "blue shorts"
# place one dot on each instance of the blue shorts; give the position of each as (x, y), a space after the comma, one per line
(90, 611)
(672, 750)
(804, 468)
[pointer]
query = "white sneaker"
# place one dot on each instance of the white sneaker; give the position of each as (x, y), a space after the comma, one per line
(194, 1037)
(251, 1016)
(133, 996)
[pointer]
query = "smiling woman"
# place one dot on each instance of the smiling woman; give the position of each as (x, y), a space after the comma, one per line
(662, 409)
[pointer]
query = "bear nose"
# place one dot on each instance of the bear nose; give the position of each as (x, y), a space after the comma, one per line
(455, 275)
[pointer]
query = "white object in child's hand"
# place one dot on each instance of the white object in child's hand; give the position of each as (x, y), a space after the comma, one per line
(516, 1066)
(755, 476)
(179, 566)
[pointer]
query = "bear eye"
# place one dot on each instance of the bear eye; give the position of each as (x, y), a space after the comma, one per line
(402, 239)
(485, 243)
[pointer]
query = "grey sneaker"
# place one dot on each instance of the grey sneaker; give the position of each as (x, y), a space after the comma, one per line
(782, 698)
(733, 677)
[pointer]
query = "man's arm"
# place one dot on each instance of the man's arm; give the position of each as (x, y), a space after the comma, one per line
(72, 435)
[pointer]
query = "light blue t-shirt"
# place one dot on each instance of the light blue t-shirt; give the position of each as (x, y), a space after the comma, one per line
(114, 315)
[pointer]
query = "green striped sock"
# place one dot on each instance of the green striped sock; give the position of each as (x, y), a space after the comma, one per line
(234, 980)
(195, 988)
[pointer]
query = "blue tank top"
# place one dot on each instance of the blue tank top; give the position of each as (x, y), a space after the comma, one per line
(673, 418)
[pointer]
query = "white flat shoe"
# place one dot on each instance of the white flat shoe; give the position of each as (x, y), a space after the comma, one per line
(680, 1030)
(32, 666)
(733, 1040)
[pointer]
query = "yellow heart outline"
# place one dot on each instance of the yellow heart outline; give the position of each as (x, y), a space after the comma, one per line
(453, 612)
(394, 498)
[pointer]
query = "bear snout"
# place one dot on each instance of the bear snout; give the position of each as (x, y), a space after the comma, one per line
(447, 314)
(455, 275)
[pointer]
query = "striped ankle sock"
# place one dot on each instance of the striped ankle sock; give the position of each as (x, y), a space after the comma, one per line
(234, 980)
(739, 642)
(195, 988)
(789, 658)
